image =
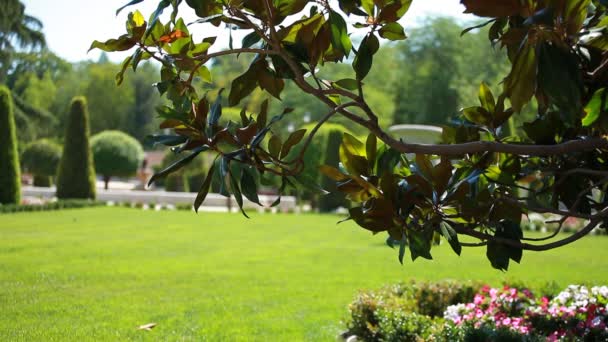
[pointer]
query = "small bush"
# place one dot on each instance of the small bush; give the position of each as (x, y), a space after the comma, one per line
(41, 158)
(116, 154)
(184, 206)
(399, 325)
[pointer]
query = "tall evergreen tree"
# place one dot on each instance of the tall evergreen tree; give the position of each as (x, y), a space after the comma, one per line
(76, 174)
(16, 27)
(10, 176)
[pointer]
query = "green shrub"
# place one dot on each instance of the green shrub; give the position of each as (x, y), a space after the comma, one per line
(10, 176)
(398, 325)
(41, 158)
(177, 182)
(76, 173)
(404, 310)
(61, 204)
(116, 154)
(433, 298)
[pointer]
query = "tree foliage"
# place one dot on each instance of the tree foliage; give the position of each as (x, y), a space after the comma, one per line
(10, 176)
(76, 172)
(116, 154)
(468, 186)
(41, 158)
(16, 27)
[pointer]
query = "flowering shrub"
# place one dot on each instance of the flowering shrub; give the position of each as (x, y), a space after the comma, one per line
(575, 313)
(504, 307)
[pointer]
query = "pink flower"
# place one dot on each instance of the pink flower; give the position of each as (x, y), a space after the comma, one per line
(478, 299)
(544, 302)
(506, 321)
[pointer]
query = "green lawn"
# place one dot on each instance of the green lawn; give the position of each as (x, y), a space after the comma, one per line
(97, 274)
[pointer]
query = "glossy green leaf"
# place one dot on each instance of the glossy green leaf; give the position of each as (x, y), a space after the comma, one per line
(120, 75)
(333, 173)
(339, 33)
(559, 76)
(249, 186)
(236, 191)
(371, 149)
(364, 59)
(205, 8)
(216, 110)
(595, 107)
(520, 84)
(250, 39)
(368, 6)
(477, 115)
(392, 31)
(204, 190)
(486, 98)
(451, 236)
(420, 244)
(167, 140)
(241, 87)
(269, 81)
(347, 83)
(499, 253)
(274, 146)
(293, 139)
(178, 164)
(123, 43)
(394, 11)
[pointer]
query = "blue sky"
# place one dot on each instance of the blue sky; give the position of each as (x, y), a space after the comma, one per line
(71, 25)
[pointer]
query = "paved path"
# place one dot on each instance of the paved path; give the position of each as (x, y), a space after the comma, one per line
(288, 203)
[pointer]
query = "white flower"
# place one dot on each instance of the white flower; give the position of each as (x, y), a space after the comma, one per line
(453, 312)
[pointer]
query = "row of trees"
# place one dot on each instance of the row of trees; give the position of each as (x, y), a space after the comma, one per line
(110, 153)
(43, 85)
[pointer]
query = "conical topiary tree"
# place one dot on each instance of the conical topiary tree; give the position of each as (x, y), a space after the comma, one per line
(76, 173)
(10, 176)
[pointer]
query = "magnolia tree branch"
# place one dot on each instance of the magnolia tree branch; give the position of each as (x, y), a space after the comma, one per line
(532, 247)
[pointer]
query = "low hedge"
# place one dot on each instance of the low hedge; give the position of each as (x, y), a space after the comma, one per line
(61, 204)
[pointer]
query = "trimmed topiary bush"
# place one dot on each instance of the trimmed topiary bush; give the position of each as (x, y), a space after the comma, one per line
(76, 173)
(10, 176)
(116, 154)
(41, 159)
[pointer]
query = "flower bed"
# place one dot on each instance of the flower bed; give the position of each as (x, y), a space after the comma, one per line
(491, 314)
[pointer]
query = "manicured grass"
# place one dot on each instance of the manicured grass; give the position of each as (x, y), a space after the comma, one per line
(97, 274)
